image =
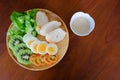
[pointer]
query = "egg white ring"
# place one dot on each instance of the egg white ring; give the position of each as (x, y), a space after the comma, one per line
(54, 46)
(26, 36)
(32, 45)
(31, 38)
(88, 17)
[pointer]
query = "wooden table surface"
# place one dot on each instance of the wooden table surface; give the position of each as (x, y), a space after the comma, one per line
(93, 57)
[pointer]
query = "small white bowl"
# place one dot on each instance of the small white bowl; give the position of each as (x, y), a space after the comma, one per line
(86, 16)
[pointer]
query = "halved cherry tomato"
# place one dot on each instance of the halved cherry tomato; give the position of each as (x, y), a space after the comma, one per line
(34, 59)
(53, 58)
(46, 59)
(41, 61)
(50, 59)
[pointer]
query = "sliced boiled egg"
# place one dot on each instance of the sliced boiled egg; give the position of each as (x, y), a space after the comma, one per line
(26, 37)
(34, 46)
(41, 48)
(52, 49)
(29, 39)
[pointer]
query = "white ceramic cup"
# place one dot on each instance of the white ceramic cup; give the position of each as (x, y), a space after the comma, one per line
(87, 17)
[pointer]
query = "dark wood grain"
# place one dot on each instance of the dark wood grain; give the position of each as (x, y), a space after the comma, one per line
(94, 57)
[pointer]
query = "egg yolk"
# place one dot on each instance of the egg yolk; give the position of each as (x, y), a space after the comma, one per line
(35, 47)
(51, 49)
(42, 48)
(30, 42)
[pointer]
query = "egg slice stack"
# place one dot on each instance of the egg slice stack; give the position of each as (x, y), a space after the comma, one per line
(38, 46)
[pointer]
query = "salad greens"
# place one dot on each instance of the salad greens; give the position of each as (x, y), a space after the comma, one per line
(23, 23)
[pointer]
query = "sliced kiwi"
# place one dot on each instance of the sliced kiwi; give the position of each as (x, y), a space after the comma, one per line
(14, 40)
(23, 56)
(19, 47)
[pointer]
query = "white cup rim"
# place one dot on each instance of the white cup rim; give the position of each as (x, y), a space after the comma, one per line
(88, 17)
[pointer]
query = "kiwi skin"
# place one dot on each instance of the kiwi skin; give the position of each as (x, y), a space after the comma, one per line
(23, 56)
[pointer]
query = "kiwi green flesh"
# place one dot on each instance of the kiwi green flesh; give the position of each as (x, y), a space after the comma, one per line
(23, 57)
(14, 40)
(20, 47)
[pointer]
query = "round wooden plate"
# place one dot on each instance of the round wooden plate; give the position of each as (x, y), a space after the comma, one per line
(62, 45)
